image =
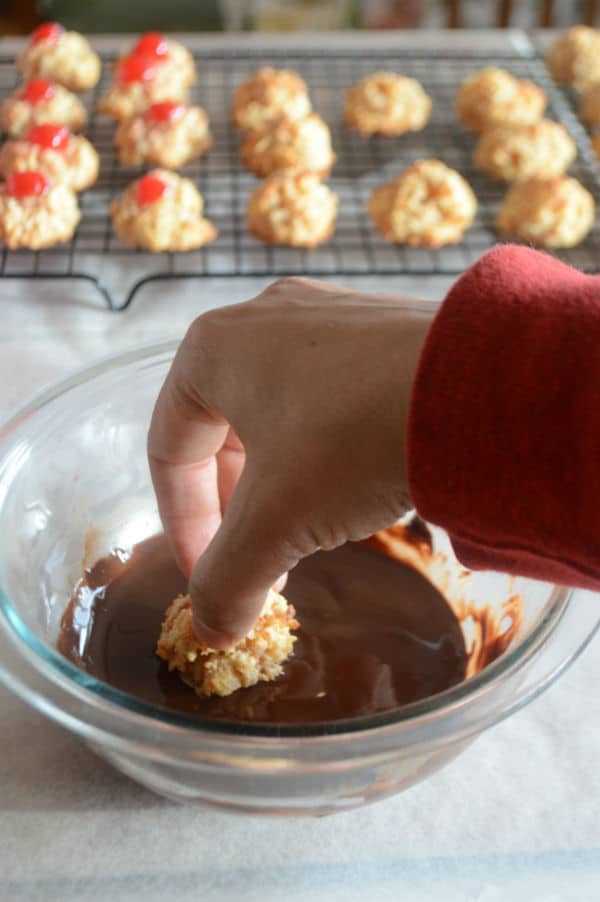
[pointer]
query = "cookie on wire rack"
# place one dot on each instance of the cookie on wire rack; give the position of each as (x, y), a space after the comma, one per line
(38, 102)
(550, 213)
(574, 57)
(36, 213)
(293, 209)
(385, 103)
(62, 157)
(167, 134)
(289, 144)
(495, 97)
(268, 95)
(139, 82)
(162, 212)
(516, 152)
(65, 57)
(428, 205)
(171, 55)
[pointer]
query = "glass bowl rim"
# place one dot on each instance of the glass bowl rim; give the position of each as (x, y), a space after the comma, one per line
(440, 704)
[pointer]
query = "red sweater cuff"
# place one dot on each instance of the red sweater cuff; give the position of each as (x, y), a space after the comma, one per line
(504, 426)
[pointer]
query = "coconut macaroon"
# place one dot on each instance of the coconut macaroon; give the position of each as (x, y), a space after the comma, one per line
(61, 56)
(515, 152)
(551, 213)
(38, 102)
(288, 144)
(574, 58)
(258, 657)
(34, 213)
(495, 97)
(162, 212)
(385, 103)
(52, 150)
(589, 104)
(167, 134)
(140, 81)
(428, 205)
(292, 208)
(268, 95)
(170, 54)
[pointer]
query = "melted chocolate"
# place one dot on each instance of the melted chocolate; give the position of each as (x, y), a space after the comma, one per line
(374, 635)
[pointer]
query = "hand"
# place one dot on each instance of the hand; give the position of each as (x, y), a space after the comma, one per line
(280, 430)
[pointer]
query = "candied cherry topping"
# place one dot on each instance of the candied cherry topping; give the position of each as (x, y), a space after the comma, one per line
(152, 43)
(149, 189)
(51, 137)
(47, 32)
(136, 68)
(26, 184)
(37, 90)
(164, 111)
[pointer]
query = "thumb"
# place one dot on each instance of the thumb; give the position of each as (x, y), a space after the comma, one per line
(249, 554)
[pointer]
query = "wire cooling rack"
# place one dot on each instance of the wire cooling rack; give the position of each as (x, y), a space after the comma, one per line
(95, 254)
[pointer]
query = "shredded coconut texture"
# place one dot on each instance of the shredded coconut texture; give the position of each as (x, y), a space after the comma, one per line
(555, 212)
(495, 97)
(294, 209)
(428, 205)
(259, 657)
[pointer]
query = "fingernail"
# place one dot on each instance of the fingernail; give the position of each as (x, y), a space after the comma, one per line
(280, 584)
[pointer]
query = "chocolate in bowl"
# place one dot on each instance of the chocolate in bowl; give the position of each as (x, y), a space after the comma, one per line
(374, 635)
(72, 464)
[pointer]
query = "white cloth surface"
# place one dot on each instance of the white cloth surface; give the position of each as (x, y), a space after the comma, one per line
(515, 817)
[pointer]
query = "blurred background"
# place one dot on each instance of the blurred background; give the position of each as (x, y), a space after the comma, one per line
(19, 16)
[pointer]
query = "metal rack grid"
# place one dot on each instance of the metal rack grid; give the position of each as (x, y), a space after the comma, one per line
(574, 99)
(96, 255)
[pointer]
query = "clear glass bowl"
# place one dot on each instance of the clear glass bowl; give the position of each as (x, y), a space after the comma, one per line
(74, 483)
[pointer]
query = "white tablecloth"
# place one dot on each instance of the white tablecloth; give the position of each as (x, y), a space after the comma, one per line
(516, 817)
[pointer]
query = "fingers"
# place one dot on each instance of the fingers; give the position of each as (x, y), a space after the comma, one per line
(230, 463)
(183, 440)
(189, 507)
(247, 556)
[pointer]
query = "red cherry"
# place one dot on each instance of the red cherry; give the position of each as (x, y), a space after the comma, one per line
(26, 184)
(149, 189)
(52, 137)
(153, 43)
(136, 68)
(165, 111)
(37, 90)
(47, 32)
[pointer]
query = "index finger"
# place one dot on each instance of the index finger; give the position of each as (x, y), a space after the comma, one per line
(183, 439)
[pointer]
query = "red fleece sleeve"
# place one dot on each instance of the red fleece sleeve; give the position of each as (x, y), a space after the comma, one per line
(504, 425)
